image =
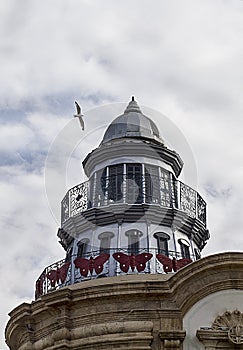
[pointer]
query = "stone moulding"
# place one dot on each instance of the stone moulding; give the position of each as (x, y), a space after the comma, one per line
(130, 334)
(105, 304)
(112, 328)
(172, 339)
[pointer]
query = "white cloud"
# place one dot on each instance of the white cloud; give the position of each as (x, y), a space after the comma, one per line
(15, 137)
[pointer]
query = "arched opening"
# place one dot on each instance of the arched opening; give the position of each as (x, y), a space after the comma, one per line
(162, 242)
(185, 248)
(105, 241)
(133, 241)
(83, 247)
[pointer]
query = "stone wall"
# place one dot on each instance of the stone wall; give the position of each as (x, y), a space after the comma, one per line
(130, 312)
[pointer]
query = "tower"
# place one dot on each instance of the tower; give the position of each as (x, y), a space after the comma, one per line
(133, 201)
(126, 232)
(132, 207)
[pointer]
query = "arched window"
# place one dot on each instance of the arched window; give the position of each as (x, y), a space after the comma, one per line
(162, 242)
(105, 241)
(83, 247)
(185, 251)
(133, 241)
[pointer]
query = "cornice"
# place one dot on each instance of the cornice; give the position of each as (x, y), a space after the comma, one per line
(125, 148)
(171, 295)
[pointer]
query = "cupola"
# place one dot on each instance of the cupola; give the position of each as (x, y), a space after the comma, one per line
(132, 123)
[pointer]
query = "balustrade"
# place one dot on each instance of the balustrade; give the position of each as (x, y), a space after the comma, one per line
(163, 191)
(116, 262)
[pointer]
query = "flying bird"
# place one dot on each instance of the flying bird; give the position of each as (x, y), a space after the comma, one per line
(79, 115)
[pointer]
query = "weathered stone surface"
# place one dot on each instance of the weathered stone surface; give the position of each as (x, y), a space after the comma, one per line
(128, 312)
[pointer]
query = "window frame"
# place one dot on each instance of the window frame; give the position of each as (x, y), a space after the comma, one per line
(163, 248)
(185, 248)
(133, 245)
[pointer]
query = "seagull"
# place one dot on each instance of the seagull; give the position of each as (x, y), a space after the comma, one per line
(79, 115)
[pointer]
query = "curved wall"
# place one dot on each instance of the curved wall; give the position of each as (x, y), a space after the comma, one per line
(132, 312)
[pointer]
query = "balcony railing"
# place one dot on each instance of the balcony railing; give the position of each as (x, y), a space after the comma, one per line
(164, 191)
(112, 262)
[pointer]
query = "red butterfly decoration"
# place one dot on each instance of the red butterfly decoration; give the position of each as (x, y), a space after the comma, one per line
(172, 264)
(138, 261)
(39, 286)
(59, 274)
(88, 265)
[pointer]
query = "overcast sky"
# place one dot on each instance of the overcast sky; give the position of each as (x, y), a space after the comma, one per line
(181, 58)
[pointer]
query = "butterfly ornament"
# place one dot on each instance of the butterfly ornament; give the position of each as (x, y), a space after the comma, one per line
(172, 264)
(92, 264)
(134, 261)
(59, 274)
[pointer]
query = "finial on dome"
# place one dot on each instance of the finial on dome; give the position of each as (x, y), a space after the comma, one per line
(132, 106)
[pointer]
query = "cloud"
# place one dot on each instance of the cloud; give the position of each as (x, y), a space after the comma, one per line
(14, 137)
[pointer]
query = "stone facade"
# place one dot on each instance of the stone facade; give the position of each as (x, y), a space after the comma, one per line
(146, 311)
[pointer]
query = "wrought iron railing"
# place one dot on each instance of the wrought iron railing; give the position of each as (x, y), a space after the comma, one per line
(112, 262)
(164, 191)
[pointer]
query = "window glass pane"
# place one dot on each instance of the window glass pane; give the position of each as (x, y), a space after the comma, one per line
(111, 183)
(82, 248)
(105, 241)
(134, 183)
(104, 245)
(185, 252)
(162, 242)
(152, 193)
(133, 241)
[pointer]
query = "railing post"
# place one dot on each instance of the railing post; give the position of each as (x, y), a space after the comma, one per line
(172, 190)
(143, 179)
(124, 184)
(93, 204)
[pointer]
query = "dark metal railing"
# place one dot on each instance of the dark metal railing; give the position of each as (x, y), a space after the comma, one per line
(112, 262)
(164, 191)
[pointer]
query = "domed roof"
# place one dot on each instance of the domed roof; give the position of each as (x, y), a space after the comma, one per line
(133, 123)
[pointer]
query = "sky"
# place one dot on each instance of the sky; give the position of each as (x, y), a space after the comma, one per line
(182, 58)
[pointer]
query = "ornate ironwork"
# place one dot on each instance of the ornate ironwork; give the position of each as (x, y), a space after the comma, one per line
(65, 208)
(165, 189)
(188, 200)
(78, 198)
(63, 273)
(133, 189)
(201, 209)
(44, 284)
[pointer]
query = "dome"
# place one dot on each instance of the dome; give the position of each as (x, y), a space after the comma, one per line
(132, 123)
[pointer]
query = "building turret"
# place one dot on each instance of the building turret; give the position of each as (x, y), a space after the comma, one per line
(125, 231)
(133, 215)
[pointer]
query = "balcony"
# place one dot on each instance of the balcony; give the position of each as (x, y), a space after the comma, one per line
(114, 262)
(164, 191)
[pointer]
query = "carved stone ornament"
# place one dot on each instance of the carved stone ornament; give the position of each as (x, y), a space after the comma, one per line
(233, 323)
